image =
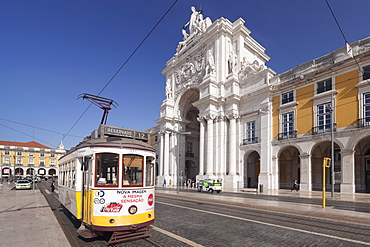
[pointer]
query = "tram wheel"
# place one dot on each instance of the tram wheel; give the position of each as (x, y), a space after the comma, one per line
(211, 191)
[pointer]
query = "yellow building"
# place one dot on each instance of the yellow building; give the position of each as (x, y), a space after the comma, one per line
(25, 159)
(317, 105)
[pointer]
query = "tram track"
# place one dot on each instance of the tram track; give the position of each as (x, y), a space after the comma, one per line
(335, 228)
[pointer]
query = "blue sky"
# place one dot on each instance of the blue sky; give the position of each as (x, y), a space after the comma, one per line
(51, 51)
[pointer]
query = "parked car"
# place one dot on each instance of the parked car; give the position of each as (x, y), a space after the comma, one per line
(23, 184)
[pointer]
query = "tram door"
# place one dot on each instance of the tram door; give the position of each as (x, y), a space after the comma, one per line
(367, 174)
(86, 193)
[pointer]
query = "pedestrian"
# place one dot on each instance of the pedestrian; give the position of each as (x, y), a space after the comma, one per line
(295, 186)
(52, 185)
(164, 183)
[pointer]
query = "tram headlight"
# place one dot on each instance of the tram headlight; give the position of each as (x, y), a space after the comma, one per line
(132, 209)
(112, 221)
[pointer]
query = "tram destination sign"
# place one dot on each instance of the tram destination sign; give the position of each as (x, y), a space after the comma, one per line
(115, 131)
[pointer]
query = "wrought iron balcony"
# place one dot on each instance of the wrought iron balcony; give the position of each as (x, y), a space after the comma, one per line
(363, 122)
(250, 140)
(323, 129)
(287, 135)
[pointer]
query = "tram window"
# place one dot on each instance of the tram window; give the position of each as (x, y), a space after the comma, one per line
(133, 170)
(149, 169)
(107, 169)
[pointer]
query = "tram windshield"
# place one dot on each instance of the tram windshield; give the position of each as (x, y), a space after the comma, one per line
(107, 169)
(133, 170)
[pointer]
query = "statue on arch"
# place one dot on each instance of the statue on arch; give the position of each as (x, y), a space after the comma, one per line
(196, 24)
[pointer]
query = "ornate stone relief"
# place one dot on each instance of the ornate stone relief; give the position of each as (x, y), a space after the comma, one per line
(192, 71)
(210, 117)
(233, 116)
(248, 69)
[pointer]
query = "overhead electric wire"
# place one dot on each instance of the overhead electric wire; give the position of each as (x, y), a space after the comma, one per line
(27, 135)
(341, 31)
(31, 126)
(128, 59)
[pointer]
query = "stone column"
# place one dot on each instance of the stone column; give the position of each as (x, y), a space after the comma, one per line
(166, 153)
(210, 135)
(274, 173)
(222, 149)
(232, 145)
(348, 172)
(161, 152)
(201, 147)
(173, 155)
(306, 172)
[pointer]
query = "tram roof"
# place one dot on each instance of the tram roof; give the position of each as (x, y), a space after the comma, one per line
(102, 138)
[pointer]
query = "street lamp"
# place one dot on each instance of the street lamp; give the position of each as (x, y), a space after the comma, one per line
(178, 153)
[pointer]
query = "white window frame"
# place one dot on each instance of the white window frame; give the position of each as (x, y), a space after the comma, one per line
(248, 130)
(324, 81)
(327, 107)
(290, 123)
(282, 97)
(363, 88)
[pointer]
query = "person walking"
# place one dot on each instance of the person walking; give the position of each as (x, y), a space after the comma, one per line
(52, 185)
(164, 183)
(295, 186)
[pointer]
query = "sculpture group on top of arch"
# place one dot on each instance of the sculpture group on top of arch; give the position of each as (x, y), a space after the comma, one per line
(197, 25)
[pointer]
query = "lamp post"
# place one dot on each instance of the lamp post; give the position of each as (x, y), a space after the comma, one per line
(332, 144)
(178, 154)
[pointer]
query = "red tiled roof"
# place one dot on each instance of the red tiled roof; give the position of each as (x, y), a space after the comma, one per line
(31, 144)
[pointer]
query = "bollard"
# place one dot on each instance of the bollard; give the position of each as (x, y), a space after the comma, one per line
(261, 188)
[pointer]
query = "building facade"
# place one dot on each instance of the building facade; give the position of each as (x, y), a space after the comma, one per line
(25, 159)
(227, 115)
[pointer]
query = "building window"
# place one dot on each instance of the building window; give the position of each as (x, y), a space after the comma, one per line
(155, 138)
(251, 133)
(42, 155)
(367, 106)
(30, 161)
(366, 74)
(19, 161)
(19, 153)
(324, 118)
(324, 86)
(365, 121)
(251, 130)
(30, 154)
(189, 147)
(6, 152)
(287, 97)
(7, 161)
(288, 123)
(42, 163)
(52, 162)
(52, 155)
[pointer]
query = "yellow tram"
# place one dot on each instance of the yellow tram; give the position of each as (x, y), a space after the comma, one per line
(107, 182)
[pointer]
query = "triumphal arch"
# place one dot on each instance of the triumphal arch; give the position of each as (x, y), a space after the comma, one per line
(217, 86)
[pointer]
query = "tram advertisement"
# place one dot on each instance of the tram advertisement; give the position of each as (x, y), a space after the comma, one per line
(118, 201)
